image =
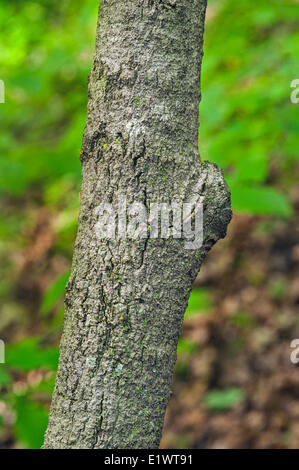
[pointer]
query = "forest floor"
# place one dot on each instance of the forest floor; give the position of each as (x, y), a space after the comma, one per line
(239, 388)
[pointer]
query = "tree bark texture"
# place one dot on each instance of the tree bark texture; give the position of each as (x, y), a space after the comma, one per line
(126, 298)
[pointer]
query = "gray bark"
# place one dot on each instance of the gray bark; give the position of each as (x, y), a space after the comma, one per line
(126, 298)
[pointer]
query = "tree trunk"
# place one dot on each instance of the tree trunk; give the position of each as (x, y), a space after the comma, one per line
(126, 297)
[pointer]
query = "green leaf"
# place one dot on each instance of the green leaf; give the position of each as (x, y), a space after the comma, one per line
(199, 302)
(54, 293)
(221, 400)
(262, 200)
(243, 320)
(28, 354)
(278, 288)
(253, 167)
(186, 346)
(31, 422)
(46, 386)
(5, 378)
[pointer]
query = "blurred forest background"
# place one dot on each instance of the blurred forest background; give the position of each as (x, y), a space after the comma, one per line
(234, 384)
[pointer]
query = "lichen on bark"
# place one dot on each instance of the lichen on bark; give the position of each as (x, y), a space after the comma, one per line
(126, 298)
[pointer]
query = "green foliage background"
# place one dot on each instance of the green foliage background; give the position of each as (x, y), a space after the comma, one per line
(248, 127)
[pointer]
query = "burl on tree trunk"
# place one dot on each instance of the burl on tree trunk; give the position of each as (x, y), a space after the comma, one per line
(126, 297)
